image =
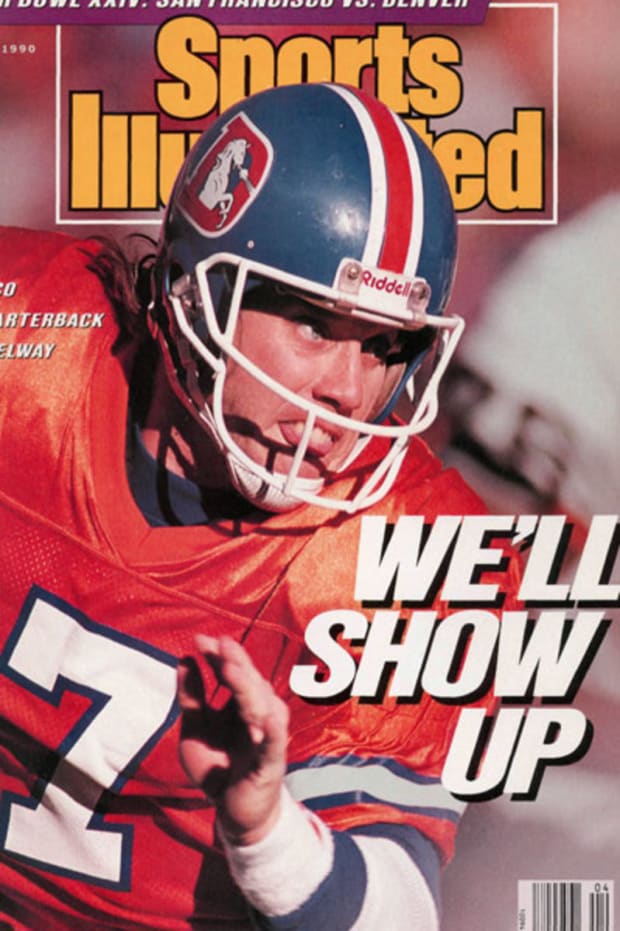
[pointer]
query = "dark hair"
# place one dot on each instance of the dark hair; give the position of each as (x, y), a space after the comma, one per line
(125, 272)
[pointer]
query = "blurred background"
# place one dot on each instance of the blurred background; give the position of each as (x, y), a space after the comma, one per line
(530, 413)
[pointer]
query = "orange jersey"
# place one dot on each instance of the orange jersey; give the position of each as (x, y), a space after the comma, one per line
(99, 827)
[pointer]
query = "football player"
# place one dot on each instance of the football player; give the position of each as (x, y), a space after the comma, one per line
(185, 479)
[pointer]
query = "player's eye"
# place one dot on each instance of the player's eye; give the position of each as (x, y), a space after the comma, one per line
(383, 347)
(310, 328)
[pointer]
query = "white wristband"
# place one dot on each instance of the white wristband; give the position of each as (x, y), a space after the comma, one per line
(280, 872)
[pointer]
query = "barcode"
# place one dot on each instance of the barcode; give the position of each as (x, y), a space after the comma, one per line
(566, 905)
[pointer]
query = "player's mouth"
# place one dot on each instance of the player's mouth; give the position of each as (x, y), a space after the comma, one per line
(321, 441)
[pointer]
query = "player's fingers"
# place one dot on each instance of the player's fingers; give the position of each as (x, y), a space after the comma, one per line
(239, 671)
(190, 687)
(207, 768)
(253, 694)
(209, 663)
(275, 735)
(208, 645)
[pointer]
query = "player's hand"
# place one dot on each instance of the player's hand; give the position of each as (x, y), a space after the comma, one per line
(236, 753)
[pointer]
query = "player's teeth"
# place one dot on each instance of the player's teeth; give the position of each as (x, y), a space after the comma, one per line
(320, 435)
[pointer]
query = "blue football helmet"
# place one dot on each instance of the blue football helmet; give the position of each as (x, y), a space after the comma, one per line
(320, 191)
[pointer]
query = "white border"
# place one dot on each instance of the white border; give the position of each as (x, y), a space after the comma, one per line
(551, 221)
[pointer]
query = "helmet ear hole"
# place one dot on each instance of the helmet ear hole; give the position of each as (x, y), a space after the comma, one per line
(175, 271)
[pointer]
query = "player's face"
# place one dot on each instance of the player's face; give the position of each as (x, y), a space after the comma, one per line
(345, 366)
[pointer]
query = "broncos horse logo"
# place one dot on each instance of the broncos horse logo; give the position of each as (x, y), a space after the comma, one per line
(228, 177)
(215, 193)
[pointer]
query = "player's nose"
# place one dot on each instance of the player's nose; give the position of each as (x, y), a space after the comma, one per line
(340, 380)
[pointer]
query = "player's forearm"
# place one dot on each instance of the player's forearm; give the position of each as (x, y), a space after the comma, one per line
(303, 876)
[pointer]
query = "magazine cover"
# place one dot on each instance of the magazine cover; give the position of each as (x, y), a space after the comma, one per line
(309, 479)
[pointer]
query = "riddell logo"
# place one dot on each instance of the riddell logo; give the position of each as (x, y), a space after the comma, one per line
(385, 283)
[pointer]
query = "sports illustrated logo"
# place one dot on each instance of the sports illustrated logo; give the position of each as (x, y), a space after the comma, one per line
(229, 177)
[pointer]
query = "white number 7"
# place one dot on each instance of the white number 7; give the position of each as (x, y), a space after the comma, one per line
(132, 687)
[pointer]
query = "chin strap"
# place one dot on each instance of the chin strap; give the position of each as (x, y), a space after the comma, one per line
(264, 496)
